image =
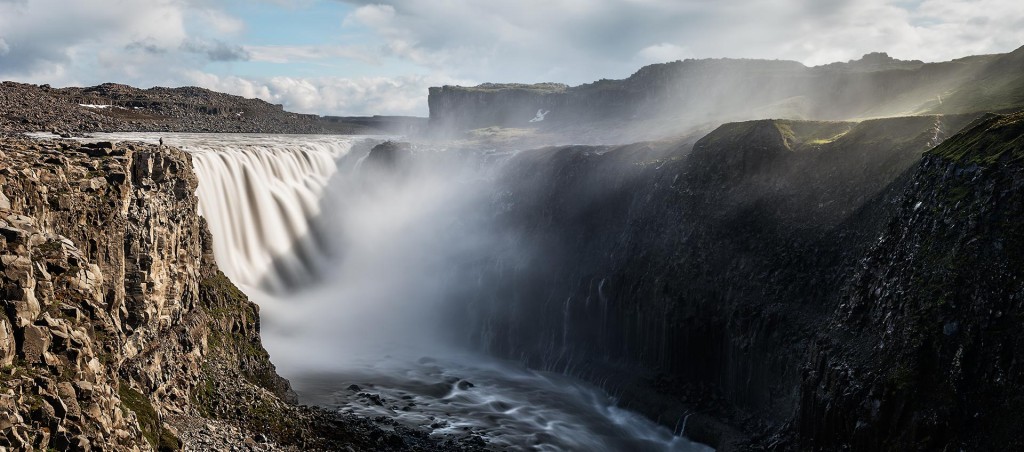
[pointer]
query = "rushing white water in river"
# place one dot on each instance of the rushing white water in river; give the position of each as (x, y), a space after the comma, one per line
(390, 249)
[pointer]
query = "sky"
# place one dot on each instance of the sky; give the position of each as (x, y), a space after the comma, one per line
(351, 57)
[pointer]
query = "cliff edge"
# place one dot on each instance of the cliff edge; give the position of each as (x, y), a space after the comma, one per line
(119, 333)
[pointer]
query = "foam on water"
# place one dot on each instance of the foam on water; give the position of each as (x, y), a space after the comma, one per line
(511, 407)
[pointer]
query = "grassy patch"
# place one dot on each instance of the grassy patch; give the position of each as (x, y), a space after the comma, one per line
(137, 403)
(987, 141)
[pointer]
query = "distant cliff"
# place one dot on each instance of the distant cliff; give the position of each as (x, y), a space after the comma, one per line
(120, 108)
(684, 94)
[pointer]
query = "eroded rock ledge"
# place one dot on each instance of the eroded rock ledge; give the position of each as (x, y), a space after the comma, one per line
(119, 332)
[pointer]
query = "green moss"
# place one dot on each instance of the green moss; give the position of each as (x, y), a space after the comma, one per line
(790, 134)
(221, 287)
(204, 394)
(958, 193)
(227, 307)
(536, 87)
(996, 93)
(259, 412)
(168, 441)
(137, 403)
(986, 141)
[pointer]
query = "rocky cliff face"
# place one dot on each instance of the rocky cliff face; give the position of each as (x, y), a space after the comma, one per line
(104, 258)
(457, 108)
(710, 269)
(670, 97)
(924, 351)
(118, 332)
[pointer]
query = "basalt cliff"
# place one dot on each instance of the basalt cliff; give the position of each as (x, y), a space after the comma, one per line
(118, 330)
(781, 285)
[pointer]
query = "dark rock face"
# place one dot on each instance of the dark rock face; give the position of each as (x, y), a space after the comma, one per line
(388, 154)
(454, 107)
(685, 94)
(704, 274)
(924, 351)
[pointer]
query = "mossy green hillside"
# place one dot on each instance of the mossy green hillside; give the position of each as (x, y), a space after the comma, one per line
(987, 141)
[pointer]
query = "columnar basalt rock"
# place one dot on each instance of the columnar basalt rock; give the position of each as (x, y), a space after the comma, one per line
(923, 350)
(103, 259)
(703, 273)
(118, 331)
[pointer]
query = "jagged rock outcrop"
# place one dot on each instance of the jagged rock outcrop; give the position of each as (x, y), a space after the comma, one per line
(104, 257)
(700, 274)
(924, 352)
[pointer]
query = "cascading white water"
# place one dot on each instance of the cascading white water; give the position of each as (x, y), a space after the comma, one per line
(393, 248)
(260, 199)
(261, 196)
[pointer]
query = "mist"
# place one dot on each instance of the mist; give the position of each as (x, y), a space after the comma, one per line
(398, 281)
(682, 98)
(404, 226)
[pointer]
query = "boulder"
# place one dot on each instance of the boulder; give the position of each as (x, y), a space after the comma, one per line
(37, 342)
(7, 344)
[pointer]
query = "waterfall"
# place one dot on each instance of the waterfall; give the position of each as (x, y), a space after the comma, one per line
(262, 198)
(262, 203)
(405, 274)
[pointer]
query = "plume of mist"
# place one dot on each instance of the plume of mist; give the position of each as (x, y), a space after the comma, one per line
(403, 230)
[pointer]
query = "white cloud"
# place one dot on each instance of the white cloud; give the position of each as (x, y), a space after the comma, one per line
(168, 42)
(221, 22)
(372, 15)
(289, 54)
(662, 52)
(576, 41)
(404, 95)
(215, 50)
(59, 42)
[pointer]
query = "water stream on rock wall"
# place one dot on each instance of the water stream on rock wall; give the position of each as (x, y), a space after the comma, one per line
(359, 265)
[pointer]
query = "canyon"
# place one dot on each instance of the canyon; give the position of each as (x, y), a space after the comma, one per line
(842, 279)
